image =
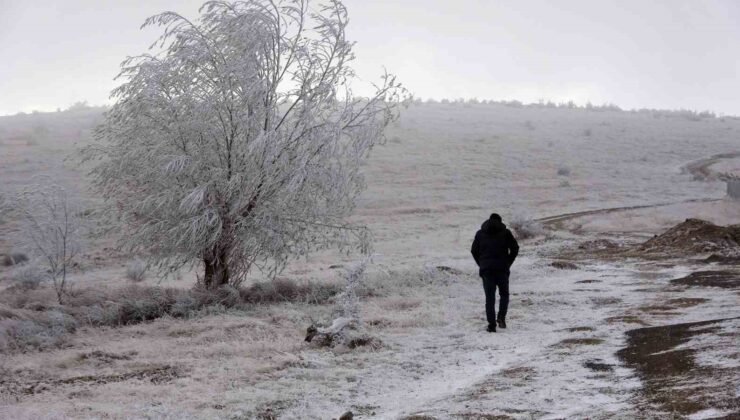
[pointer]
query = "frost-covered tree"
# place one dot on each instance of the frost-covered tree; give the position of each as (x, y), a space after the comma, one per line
(238, 142)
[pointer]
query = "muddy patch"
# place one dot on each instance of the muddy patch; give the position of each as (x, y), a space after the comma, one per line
(498, 382)
(601, 301)
(575, 342)
(579, 329)
(722, 260)
(657, 309)
(672, 379)
(481, 416)
(564, 265)
(686, 302)
(723, 279)
(598, 366)
(626, 319)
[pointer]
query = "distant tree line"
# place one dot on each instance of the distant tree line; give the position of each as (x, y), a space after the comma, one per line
(688, 114)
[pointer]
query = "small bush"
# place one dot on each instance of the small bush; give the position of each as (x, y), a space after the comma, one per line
(587, 132)
(140, 304)
(184, 306)
(45, 330)
(564, 183)
(136, 271)
(13, 259)
(526, 228)
(99, 316)
(563, 171)
(28, 277)
(286, 290)
(33, 319)
(227, 296)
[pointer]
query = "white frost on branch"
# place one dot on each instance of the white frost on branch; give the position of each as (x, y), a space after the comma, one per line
(238, 141)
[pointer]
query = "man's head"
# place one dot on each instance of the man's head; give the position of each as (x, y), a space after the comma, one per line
(495, 217)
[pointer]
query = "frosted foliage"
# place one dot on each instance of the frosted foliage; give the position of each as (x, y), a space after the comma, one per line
(238, 142)
(349, 301)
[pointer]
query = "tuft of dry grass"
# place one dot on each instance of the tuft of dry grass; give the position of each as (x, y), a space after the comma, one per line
(136, 271)
(32, 319)
(28, 277)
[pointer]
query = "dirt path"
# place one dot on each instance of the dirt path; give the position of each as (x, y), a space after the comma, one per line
(556, 221)
(700, 169)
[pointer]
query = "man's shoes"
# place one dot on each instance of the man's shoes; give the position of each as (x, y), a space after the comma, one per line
(501, 323)
(491, 328)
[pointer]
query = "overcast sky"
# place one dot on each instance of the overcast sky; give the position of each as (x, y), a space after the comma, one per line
(634, 53)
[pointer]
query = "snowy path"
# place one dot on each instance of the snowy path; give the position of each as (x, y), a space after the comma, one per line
(557, 359)
(526, 368)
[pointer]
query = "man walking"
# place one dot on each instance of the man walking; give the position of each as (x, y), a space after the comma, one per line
(494, 250)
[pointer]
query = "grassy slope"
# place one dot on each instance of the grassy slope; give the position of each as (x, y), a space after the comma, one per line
(444, 168)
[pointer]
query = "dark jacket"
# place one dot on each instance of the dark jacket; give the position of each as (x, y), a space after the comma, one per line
(494, 247)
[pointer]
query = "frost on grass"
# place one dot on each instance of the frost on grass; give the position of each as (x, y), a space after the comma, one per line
(136, 271)
(24, 311)
(28, 276)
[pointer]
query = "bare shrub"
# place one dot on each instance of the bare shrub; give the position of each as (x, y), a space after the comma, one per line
(564, 183)
(52, 230)
(526, 228)
(136, 271)
(28, 276)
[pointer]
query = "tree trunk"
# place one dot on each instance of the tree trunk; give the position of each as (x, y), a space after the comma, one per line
(216, 269)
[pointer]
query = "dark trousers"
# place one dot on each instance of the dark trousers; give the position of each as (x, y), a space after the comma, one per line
(491, 280)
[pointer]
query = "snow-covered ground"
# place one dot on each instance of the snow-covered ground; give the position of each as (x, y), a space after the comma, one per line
(442, 171)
